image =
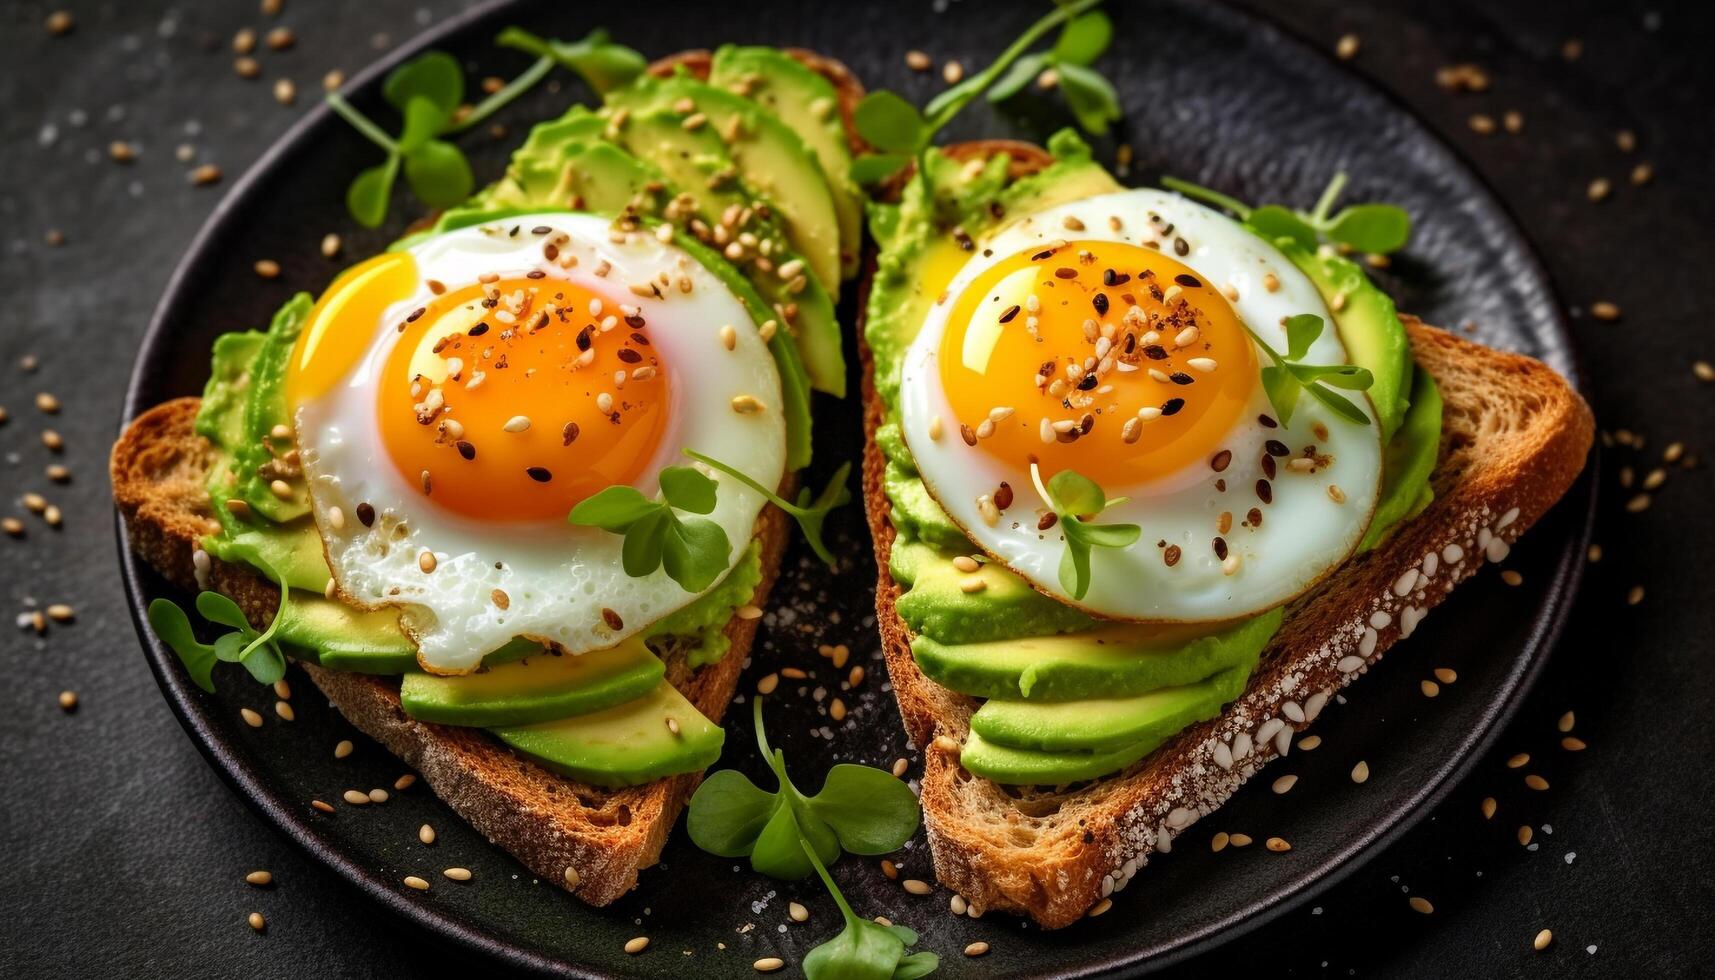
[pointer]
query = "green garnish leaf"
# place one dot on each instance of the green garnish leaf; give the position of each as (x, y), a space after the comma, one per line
(601, 63)
(217, 608)
(1375, 228)
(423, 119)
(877, 167)
(265, 662)
(871, 811)
(229, 647)
(1285, 378)
(694, 551)
(914, 965)
(174, 628)
(367, 196)
(434, 76)
(439, 174)
(1302, 329)
(889, 123)
(1379, 229)
(688, 488)
(1084, 38)
(1077, 500)
(729, 814)
(1092, 98)
(863, 950)
(811, 514)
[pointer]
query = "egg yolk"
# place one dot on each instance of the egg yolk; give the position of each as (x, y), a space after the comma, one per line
(1108, 358)
(514, 399)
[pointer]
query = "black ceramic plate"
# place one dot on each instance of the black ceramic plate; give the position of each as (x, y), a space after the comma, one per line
(1210, 95)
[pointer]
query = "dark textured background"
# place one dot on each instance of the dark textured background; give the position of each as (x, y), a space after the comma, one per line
(125, 854)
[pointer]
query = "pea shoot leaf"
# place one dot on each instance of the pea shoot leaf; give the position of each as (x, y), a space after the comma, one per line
(171, 624)
(1092, 98)
(433, 76)
(439, 174)
(1023, 71)
(889, 123)
(864, 950)
(811, 514)
(1286, 378)
(367, 196)
(603, 64)
(1076, 501)
(1084, 38)
(874, 168)
(257, 652)
(1379, 229)
(694, 551)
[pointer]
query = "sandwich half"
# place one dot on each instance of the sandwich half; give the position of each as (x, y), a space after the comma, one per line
(392, 484)
(1031, 316)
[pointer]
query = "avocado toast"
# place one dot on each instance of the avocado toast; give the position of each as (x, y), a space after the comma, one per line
(578, 765)
(1061, 751)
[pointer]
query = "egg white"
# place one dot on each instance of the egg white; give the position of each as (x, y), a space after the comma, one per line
(1304, 533)
(559, 579)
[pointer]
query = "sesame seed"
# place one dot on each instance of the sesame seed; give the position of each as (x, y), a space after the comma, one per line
(1703, 370)
(1542, 940)
(1309, 742)
(1271, 282)
(1218, 843)
(356, 797)
(457, 874)
(256, 921)
(916, 886)
(1518, 761)
(426, 834)
(53, 516)
(68, 701)
(1598, 189)
(12, 526)
(267, 268)
(1278, 845)
(343, 749)
(729, 336)
(899, 767)
(1488, 808)
(1430, 688)
(748, 612)
(917, 60)
(1536, 782)
(1573, 744)
(251, 717)
(53, 440)
(1566, 722)
(281, 38)
(1421, 905)
(284, 710)
(517, 423)
(1285, 783)
(323, 807)
(1512, 121)
(1524, 835)
(259, 878)
(1482, 124)
(889, 870)
(746, 404)
(972, 585)
(638, 945)
(47, 403)
(1347, 47)
(977, 949)
(797, 912)
(285, 92)
(572, 877)
(767, 684)
(1641, 174)
(1241, 840)
(1361, 772)
(1101, 907)
(945, 743)
(426, 562)
(768, 964)
(412, 881)
(60, 23)
(1635, 596)
(1512, 578)
(405, 782)
(378, 795)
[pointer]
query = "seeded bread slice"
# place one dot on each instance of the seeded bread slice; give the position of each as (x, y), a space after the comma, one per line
(160, 469)
(1514, 436)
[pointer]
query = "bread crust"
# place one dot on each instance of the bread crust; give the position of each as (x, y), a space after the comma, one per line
(1514, 438)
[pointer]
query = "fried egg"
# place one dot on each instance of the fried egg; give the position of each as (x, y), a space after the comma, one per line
(1108, 336)
(453, 402)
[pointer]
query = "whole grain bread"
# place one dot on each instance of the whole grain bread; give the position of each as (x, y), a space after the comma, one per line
(160, 470)
(1514, 436)
(592, 840)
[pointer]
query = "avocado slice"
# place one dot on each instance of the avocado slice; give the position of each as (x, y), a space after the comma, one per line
(265, 408)
(937, 604)
(1155, 717)
(1369, 328)
(1408, 462)
(539, 688)
(1111, 661)
(1107, 723)
(697, 161)
(624, 745)
(340, 637)
(773, 158)
(806, 102)
(289, 554)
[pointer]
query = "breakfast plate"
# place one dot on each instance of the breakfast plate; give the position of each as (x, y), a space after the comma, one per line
(1211, 95)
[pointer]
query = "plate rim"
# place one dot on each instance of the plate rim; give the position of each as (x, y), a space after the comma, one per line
(1392, 822)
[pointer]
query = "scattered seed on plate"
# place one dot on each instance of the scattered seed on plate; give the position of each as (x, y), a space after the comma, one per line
(1536, 782)
(1519, 761)
(1605, 311)
(256, 921)
(638, 945)
(68, 700)
(1566, 722)
(1347, 47)
(343, 748)
(1421, 905)
(1542, 940)
(378, 795)
(768, 964)
(1572, 743)
(412, 881)
(1488, 808)
(1285, 783)
(917, 886)
(356, 797)
(1430, 688)
(405, 782)
(899, 767)
(259, 878)
(1524, 835)
(284, 710)
(426, 834)
(978, 948)
(323, 807)
(1278, 845)
(917, 60)
(60, 23)
(1361, 772)
(251, 717)
(457, 874)
(1446, 675)
(797, 912)
(267, 268)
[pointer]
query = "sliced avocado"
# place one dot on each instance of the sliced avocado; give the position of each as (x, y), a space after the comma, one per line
(1369, 327)
(289, 554)
(774, 160)
(697, 162)
(1107, 724)
(804, 100)
(939, 605)
(624, 745)
(539, 688)
(264, 409)
(1408, 462)
(1116, 660)
(1024, 767)
(220, 419)
(340, 637)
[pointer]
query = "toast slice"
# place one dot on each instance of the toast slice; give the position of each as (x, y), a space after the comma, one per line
(1514, 437)
(592, 840)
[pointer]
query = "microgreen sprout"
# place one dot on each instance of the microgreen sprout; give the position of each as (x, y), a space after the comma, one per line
(1076, 501)
(1288, 376)
(694, 550)
(900, 133)
(810, 513)
(1374, 228)
(258, 652)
